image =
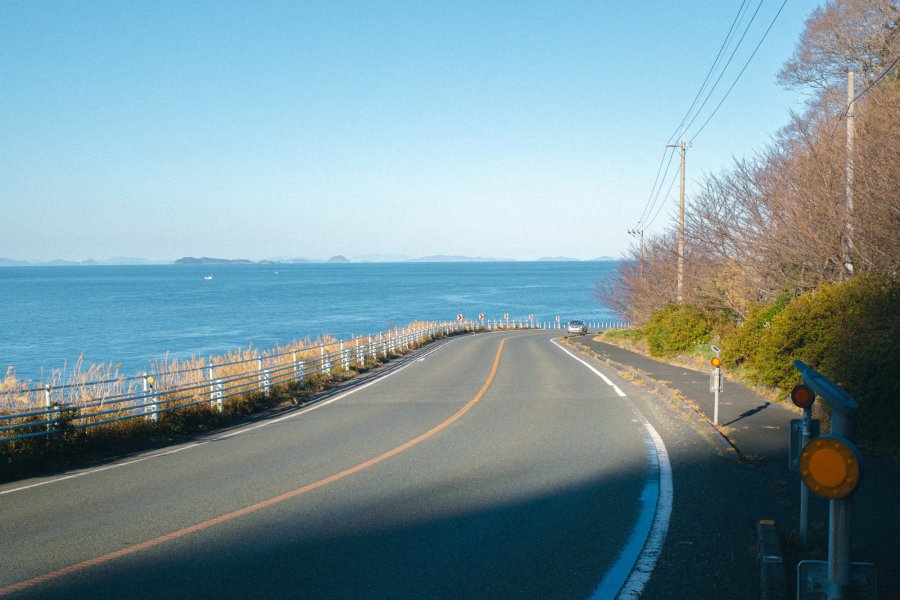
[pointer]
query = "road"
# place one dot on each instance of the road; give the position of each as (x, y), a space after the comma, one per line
(487, 466)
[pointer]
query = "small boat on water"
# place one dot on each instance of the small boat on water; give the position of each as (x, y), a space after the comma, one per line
(208, 277)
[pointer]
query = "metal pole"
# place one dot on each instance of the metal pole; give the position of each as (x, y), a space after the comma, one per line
(804, 491)
(718, 376)
(839, 548)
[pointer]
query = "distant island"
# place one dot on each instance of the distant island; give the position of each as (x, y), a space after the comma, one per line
(205, 260)
(337, 259)
(455, 258)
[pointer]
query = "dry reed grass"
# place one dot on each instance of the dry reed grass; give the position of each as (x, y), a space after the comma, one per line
(92, 394)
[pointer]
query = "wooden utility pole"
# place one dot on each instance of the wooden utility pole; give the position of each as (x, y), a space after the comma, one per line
(848, 208)
(680, 288)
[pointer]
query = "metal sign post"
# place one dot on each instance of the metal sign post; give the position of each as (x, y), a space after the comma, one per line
(802, 431)
(830, 467)
(716, 382)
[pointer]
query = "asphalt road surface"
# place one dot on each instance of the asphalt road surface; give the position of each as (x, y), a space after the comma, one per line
(487, 466)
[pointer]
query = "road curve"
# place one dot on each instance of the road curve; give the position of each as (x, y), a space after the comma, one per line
(493, 466)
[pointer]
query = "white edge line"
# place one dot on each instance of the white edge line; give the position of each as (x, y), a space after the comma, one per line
(226, 436)
(656, 498)
(589, 366)
(646, 562)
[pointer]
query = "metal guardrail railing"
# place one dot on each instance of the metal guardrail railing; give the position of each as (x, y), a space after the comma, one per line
(78, 406)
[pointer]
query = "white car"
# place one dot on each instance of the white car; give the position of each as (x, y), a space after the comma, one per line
(577, 327)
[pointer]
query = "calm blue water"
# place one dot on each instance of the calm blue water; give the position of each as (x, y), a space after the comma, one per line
(133, 314)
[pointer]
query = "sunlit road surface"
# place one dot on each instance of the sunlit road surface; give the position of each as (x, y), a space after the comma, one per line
(490, 466)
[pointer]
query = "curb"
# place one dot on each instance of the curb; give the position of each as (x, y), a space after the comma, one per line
(674, 396)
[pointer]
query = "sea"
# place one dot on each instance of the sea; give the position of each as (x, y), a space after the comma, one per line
(129, 316)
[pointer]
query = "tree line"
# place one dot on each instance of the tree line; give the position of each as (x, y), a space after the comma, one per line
(777, 226)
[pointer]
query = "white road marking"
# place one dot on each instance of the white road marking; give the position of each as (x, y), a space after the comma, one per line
(222, 437)
(632, 571)
(589, 366)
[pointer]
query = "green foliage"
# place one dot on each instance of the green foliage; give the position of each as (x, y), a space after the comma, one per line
(617, 335)
(677, 328)
(740, 344)
(850, 332)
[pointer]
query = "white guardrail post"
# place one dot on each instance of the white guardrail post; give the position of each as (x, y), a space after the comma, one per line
(151, 410)
(48, 404)
(259, 375)
(215, 388)
(185, 389)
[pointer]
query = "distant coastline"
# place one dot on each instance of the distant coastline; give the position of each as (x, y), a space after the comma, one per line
(338, 259)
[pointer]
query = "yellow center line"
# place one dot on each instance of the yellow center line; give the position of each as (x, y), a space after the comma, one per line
(29, 583)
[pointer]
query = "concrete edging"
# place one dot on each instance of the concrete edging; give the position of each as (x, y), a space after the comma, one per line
(674, 397)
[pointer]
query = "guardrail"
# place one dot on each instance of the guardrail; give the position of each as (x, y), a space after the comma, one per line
(52, 409)
(492, 324)
(79, 406)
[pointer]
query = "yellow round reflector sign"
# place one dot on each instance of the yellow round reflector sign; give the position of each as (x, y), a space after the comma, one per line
(829, 466)
(716, 362)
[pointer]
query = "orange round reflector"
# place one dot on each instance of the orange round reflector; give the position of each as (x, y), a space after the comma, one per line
(716, 362)
(802, 396)
(829, 466)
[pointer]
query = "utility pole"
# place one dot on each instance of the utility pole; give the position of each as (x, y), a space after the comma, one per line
(680, 287)
(641, 233)
(848, 209)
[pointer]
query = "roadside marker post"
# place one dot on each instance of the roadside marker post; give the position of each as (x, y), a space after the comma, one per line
(716, 382)
(830, 467)
(802, 431)
(152, 409)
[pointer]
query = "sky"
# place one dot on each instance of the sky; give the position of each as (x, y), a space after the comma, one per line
(273, 130)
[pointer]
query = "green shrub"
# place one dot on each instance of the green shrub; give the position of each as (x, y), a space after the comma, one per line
(677, 328)
(634, 334)
(740, 344)
(850, 332)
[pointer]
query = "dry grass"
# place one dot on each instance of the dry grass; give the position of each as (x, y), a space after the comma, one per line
(90, 395)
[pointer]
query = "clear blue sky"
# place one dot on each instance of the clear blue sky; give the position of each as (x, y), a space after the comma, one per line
(307, 129)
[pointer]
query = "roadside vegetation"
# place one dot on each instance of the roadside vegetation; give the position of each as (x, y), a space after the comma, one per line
(779, 265)
(192, 413)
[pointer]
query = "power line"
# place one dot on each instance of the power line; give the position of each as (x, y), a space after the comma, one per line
(880, 77)
(648, 207)
(661, 204)
(716, 109)
(653, 189)
(730, 58)
(652, 204)
(653, 197)
(858, 96)
(711, 69)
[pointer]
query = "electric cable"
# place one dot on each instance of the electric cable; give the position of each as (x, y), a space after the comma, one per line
(661, 204)
(716, 109)
(647, 206)
(655, 200)
(725, 68)
(711, 69)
